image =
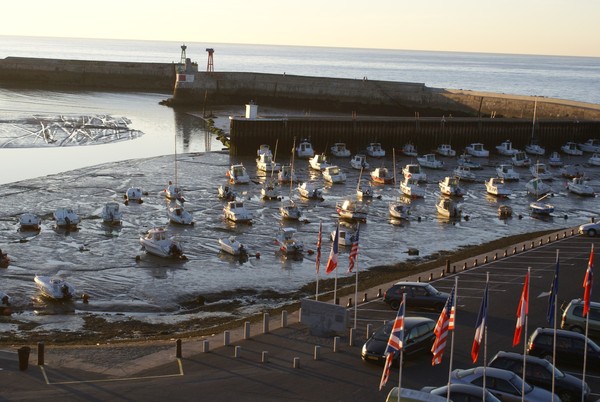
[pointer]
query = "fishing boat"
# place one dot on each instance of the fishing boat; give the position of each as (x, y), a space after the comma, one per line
(447, 208)
(174, 192)
(409, 150)
(349, 209)
(178, 215)
(237, 174)
(398, 209)
(520, 159)
(29, 222)
(270, 190)
(345, 237)
(133, 194)
(570, 148)
(286, 174)
(495, 186)
(410, 187)
(54, 288)
(339, 149)
(429, 161)
(507, 173)
(304, 149)
(231, 245)
(537, 187)
(363, 190)
(264, 149)
(319, 162)
(226, 193)
(265, 163)
(413, 171)
(359, 161)
(236, 211)
(66, 217)
(592, 145)
(289, 209)
(310, 191)
(506, 149)
(571, 171)
(477, 150)
(381, 175)
(466, 161)
(541, 208)
(540, 171)
(578, 185)
(554, 160)
(334, 175)
(158, 242)
(533, 148)
(594, 159)
(111, 215)
(375, 150)
(287, 242)
(504, 211)
(449, 186)
(464, 173)
(446, 150)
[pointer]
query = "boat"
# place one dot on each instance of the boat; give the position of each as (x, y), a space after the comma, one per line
(413, 171)
(570, 148)
(345, 237)
(349, 209)
(464, 173)
(174, 192)
(231, 245)
(237, 174)
(533, 148)
(495, 186)
(178, 215)
(447, 208)
(363, 190)
(287, 242)
(226, 193)
(446, 150)
(537, 187)
(507, 173)
(520, 159)
(54, 288)
(236, 211)
(539, 170)
(304, 149)
(133, 194)
(594, 159)
(110, 214)
(66, 217)
(270, 190)
(570, 171)
(381, 175)
(359, 161)
(289, 209)
(265, 163)
(592, 145)
(449, 186)
(158, 242)
(398, 209)
(334, 175)
(264, 149)
(429, 161)
(541, 208)
(29, 221)
(465, 160)
(319, 162)
(339, 149)
(286, 174)
(578, 185)
(477, 150)
(554, 160)
(410, 187)
(374, 150)
(409, 150)
(506, 149)
(504, 211)
(310, 191)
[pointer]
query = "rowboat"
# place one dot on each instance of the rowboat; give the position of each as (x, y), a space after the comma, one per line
(54, 288)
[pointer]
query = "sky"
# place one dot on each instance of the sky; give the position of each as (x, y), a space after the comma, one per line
(548, 27)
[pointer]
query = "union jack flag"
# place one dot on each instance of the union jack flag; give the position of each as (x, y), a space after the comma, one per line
(319, 241)
(587, 284)
(444, 324)
(353, 250)
(395, 342)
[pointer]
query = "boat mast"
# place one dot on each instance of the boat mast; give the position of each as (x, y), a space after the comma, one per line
(533, 122)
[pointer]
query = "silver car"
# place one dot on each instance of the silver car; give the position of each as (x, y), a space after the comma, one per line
(503, 384)
(590, 229)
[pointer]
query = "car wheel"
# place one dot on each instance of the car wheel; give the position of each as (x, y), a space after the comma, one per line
(592, 232)
(566, 397)
(395, 304)
(577, 329)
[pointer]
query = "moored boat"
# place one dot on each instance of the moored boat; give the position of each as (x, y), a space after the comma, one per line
(504, 211)
(334, 175)
(446, 150)
(495, 186)
(364, 190)
(345, 236)
(464, 173)
(178, 215)
(465, 161)
(286, 174)
(310, 191)
(66, 217)
(594, 159)
(304, 149)
(174, 192)
(226, 193)
(236, 211)
(339, 149)
(540, 171)
(447, 208)
(507, 173)
(520, 159)
(29, 221)
(111, 215)
(592, 145)
(413, 171)
(578, 185)
(429, 161)
(375, 150)
(349, 209)
(270, 190)
(382, 175)
(158, 242)
(265, 163)
(231, 245)
(533, 148)
(319, 162)
(410, 187)
(450, 187)
(537, 187)
(287, 242)
(359, 161)
(570, 171)
(570, 148)
(506, 149)
(541, 208)
(54, 288)
(237, 174)
(133, 194)
(554, 160)
(477, 150)
(409, 149)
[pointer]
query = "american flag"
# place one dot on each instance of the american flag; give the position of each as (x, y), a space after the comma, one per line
(319, 241)
(394, 344)
(522, 312)
(333, 256)
(587, 284)
(354, 250)
(444, 324)
(480, 326)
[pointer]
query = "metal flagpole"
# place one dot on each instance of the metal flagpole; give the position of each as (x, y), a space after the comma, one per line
(452, 338)
(525, 337)
(356, 281)
(487, 280)
(587, 323)
(335, 286)
(400, 362)
(318, 261)
(554, 319)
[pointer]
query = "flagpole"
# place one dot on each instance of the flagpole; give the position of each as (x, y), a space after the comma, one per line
(525, 337)
(400, 363)
(318, 260)
(487, 280)
(555, 314)
(587, 322)
(587, 284)
(452, 340)
(356, 284)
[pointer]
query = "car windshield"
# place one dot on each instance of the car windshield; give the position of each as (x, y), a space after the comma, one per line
(518, 384)
(383, 333)
(557, 372)
(431, 290)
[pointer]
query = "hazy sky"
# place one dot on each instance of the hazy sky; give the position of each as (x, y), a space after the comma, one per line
(553, 27)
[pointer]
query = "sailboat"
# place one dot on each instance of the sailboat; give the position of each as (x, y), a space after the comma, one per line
(290, 210)
(398, 209)
(363, 190)
(270, 188)
(174, 194)
(173, 191)
(533, 147)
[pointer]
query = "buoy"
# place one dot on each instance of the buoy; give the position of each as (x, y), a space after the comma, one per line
(85, 298)
(257, 255)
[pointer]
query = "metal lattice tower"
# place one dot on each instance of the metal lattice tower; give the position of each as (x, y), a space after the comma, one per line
(183, 55)
(210, 66)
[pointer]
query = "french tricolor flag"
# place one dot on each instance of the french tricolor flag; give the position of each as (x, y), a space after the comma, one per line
(480, 326)
(333, 256)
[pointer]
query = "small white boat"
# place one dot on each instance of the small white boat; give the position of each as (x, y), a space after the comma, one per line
(464, 173)
(158, 242)
(286, 174)
(504, 211)
(66, 217)
(334, 175)
(446, 150)
(578, 185)
(237, 174)
(465, 161)
(570, 148)
(4, 299)
(54, 288)
(305, 149)
(413, 171)
(449, 186)
(359, 161)
(570, 171)
(537, 187)
(231, 246)
(289, 210)
(310, 191)
(410, 187)
(374, 150)
(178, 215)
(345, 237)
(540, 171)
(265, 163)
(554, 160)
(541, 208)
(594, 160)
(429, 161)
(495, 186)
(319, 162)
(477, 150)
(226, 193)
(264, 149)
(382, 175)
(270, 190)
(351, 210)
(364, 190)
(506, 149)
(29, 221)
(592, 145)
(533, 148)
(339, 149)
(399, 210)
(507, 173)
(447, 208)
(287, 242)
(174, 192)
(236, 211)
(133, 194)
(520, 159)
(111, 215)
(409, 150)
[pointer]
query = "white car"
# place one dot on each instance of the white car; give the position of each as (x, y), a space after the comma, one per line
(591, 229)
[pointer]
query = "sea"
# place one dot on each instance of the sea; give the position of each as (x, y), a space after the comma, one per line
(46, 163)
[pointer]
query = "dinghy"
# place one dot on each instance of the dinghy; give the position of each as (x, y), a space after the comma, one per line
(54, 288)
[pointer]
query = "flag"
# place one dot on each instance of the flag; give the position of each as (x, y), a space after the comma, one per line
(354, 250)
(333, 256)
(552, 297)
(319, 240)
(480, 326)
(522, 312)
(386, 370)
(444, 324)
(587, 284)
(395, 342)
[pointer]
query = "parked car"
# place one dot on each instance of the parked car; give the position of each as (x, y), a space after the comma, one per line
(504, 384)
(569, 348)
(540, 372)
(590, 229)
(412, 395)
(573, 319)
(419, 295)
(462, 392)
(418, 337)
